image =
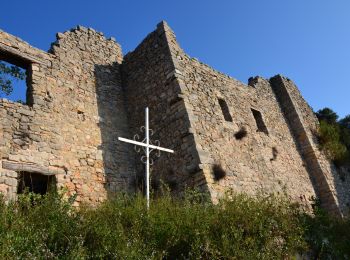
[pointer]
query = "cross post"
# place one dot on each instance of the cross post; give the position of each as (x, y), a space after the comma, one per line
(148, 147)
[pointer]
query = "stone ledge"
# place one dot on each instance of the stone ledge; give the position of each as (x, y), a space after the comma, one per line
(21, 54)
(30, 167)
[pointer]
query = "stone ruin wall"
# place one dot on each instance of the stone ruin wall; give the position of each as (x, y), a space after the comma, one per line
(85, 95)
(68, 131)
(249, 163)
(330, 183)
(260, 162)
(160, 74)
(150, 79)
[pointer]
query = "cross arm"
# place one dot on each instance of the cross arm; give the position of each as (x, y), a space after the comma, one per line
(161, 148)
(145, 145)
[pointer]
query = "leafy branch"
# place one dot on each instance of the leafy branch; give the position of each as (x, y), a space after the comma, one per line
(9, 73)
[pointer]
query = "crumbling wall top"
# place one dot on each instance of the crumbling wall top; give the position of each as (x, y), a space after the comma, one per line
(86, 40)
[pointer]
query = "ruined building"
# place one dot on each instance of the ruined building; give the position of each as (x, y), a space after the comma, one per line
(83, 94)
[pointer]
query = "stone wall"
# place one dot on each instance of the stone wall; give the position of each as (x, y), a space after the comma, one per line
(265, 160)
(256, 163)
(8, 184)
(227, 135)
(150, 79)
(295, 112)
(69, 127)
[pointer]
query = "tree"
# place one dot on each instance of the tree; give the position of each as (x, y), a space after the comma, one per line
(331, 143)
(328, 115)
(345, 122)
(334, 136)
(9, 73)
(345, 136)
(345, 131)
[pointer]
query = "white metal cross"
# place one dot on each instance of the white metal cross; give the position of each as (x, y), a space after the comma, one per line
(148, 147)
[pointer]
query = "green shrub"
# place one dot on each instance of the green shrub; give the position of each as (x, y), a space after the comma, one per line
(330, 143)
(242, 227)
(334, 136)
(328, 115)
(39, 227)
(48, 227)
(327, 236)
(345, 136)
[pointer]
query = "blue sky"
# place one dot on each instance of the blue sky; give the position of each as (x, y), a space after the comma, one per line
(305, 40)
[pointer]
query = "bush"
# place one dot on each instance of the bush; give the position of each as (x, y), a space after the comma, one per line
(328, 115)
(330, 143)
(334, 136)
(218, 172)
(328, 237)
(241, 133)
(48, 227)
(172, 229)
(37, 227)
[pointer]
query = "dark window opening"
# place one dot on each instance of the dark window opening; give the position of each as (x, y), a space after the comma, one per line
(259, 121)
(225, 110)
(35, 182)
(15, 78)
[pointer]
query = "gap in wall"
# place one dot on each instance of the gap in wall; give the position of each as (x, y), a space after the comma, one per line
(15, 79)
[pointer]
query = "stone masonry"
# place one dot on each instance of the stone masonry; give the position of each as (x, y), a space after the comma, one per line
(227, 136)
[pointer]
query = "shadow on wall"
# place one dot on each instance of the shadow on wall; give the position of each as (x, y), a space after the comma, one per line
(118, 158)
(313, 163)
(342, 187)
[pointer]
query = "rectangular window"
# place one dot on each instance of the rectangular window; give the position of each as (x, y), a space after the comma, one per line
(259, 121)
(35, 182)
(15, 79)
(225, 110)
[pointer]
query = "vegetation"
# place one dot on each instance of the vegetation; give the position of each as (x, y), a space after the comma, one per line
(328, 237)
(334, 136)
(48, 227)
(8, 74)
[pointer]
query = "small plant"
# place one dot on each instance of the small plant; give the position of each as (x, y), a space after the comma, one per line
(274, 154)
(241, 133)
(218, 172)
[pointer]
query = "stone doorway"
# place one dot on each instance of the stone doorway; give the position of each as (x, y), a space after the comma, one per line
(35, 182)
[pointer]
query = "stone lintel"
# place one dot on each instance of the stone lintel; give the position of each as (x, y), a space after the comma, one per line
(31, 167)
(5, 49)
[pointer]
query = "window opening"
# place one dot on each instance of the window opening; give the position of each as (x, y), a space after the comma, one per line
(15, 83)
(259, 121)
(225, 110)
(35, 182)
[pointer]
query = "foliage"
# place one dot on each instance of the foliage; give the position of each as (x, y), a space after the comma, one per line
(334, 136)
(9, 73)
(328, 115)
(218, 172)
(329, 237)
(345, 136)
(345, 122)
(37, 227)
(330, 142)
(48, 227)
(241, 133)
